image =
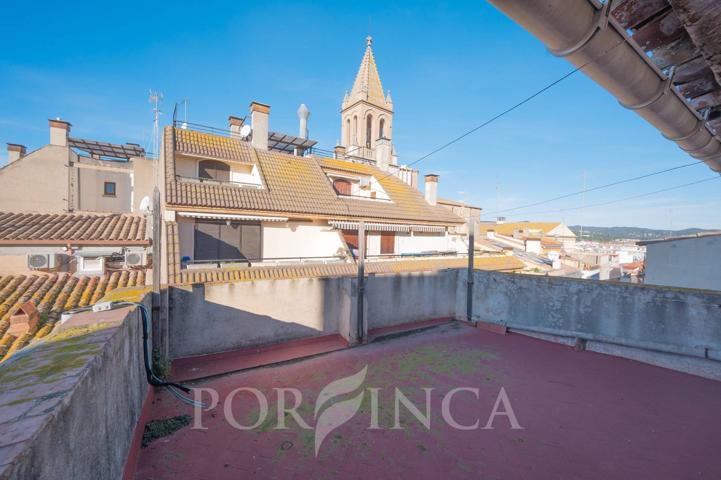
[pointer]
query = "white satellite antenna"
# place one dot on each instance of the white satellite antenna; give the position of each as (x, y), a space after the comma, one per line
(245, 131)
(145, 205)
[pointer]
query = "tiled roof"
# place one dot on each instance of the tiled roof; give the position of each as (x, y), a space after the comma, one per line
(53, 294)
(200, 144)
(509, 228)
(500, 263)
(295, 185)
(77, 228)
(407, 202)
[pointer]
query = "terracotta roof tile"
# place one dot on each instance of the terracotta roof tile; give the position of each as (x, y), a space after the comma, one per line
(51, 295)
(500, 263)
(17, 228)
(293, 185)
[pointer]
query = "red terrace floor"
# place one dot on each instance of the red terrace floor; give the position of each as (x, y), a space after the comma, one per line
(585, 415)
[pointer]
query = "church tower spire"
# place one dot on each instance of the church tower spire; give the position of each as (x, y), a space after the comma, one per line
(367, 86)
(367, 113)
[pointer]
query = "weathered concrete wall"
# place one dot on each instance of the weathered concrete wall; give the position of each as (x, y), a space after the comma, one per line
(70, 407)
(671, 320)
(689, 263)
(91, 184)
(43, 172)
(211, 318)
(396, 299)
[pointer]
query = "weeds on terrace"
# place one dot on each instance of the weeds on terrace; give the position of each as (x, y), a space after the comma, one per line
(156, 429)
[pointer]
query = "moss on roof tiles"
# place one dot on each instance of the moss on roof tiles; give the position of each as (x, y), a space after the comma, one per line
(52, 294)
(293, 185)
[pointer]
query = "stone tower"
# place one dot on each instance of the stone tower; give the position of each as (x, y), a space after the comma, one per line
(367, 115)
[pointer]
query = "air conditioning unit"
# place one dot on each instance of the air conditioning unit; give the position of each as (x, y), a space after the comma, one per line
(41, 261)
(91, 265)
(136, 258)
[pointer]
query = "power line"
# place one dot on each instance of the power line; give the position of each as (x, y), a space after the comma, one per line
(506, 111)
(593, 189)
(625, 199)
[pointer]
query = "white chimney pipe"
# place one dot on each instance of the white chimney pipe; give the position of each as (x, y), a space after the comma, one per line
(59, 131)
(259, 114)
(303, 115)
(15, 152)
(431, 191)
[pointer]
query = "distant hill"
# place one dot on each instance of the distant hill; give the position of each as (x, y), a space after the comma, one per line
(604, 234)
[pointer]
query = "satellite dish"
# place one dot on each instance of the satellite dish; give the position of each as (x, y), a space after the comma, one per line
(145, 205)
(245, 131)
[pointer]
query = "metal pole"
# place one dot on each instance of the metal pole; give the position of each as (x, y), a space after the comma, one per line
(361, 279)
(157, 242)
(469, 281)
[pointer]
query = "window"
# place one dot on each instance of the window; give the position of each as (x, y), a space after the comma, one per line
(369, 130)
(227, 241)
(382, 128)
(342, 187)
(214, 170)
(355, 130)
(347, 131)
(388, 243)
(109, 189)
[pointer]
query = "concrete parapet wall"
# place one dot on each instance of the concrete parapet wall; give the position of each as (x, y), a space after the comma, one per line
(218, 317)
(69, 408)
(397, 299)
(670, 320)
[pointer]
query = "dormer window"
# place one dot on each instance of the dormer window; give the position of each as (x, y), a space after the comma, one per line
(214, 170)
(342, 186)
(361, 186)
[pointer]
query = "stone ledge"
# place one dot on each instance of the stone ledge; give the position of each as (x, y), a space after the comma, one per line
(41, 387)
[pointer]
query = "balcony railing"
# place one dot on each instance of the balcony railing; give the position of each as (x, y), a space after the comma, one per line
(218, 182)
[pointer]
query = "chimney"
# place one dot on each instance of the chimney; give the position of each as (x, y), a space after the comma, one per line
(235, 124)
(384, 153)
(259, 122)
(24, 320)
(339, 151)
(432, 188)
(303, 114)
(15, 152)
(59, 131)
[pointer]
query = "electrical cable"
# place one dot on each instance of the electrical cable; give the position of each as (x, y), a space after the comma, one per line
(593, 189)
(625, 199)
(508, 110)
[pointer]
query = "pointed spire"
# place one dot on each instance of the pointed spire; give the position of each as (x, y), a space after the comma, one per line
(389, 100)
(367, 85)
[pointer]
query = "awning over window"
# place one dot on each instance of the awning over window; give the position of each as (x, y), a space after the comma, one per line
(387, 227)
(230, 216)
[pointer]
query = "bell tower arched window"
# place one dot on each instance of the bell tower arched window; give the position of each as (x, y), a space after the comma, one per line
(369, 130)
(382, 128)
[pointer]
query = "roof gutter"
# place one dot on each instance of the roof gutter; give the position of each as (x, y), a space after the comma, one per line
(586, 34)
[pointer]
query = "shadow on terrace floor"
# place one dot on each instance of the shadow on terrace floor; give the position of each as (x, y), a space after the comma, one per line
(584, 415)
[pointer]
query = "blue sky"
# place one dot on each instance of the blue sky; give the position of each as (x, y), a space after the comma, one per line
(450, 66)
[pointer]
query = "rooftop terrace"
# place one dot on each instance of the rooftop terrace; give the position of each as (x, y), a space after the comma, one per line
(584, 415)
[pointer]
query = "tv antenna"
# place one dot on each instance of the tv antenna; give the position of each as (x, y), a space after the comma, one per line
(184, 125)
(156, 98)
